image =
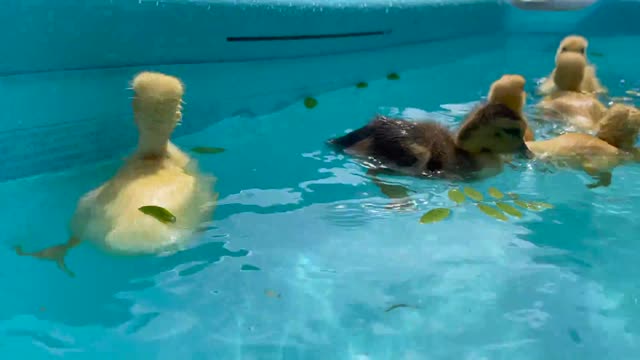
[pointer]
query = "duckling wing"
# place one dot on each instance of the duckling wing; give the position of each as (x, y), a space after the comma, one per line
(397, 141)
(386, 139)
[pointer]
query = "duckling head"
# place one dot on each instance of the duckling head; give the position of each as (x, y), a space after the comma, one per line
(493, 128)
(157, 108)
(573, 43)
(569, 71)
(620, 126)
(509, 91)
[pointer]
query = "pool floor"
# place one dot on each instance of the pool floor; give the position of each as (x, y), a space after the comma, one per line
(305, 259)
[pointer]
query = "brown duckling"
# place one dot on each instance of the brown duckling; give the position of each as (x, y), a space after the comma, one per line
(596, 155)
(430, 149)
(577, 45)
(569, 104)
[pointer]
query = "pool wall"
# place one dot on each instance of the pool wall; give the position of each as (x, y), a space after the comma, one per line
(65, 71)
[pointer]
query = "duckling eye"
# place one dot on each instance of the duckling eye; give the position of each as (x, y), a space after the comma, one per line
(563, 49)
(582, 51)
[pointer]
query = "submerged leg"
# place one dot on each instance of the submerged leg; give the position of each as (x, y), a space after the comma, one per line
(603, 178)
(399, 194)
(55, 253)
(392, 191)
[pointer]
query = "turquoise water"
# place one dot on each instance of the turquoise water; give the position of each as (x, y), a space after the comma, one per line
(557, 284)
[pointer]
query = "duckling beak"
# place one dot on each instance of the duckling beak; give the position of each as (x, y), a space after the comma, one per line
(525, 152)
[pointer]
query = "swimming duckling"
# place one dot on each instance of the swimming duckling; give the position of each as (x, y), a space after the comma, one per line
(578, 45)
(430, 149)
(158, 174)
(568, 103)
(596, 155)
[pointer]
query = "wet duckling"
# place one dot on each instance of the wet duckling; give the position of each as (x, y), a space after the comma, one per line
(596, 155)
(157, 174)
(577, 45)
(430, 149)
(568, 104)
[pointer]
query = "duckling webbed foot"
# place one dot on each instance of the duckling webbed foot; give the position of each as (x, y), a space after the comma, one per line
(603, 178)
(55, 253)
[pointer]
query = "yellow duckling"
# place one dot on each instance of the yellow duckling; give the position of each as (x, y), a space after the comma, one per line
(568, 103)
(596, 155)
(157, 174)
(578, 45)
(430, 149)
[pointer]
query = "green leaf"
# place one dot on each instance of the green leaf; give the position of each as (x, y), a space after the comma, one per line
(527, 205)
(362, 85)
(159, 213)
(456, 196)
(435, 215)
(541, 204)
(207, 150)
(393, 76)
(509, 209)
(495, 193)
(473, 194)
(493, 212)
(310, 103)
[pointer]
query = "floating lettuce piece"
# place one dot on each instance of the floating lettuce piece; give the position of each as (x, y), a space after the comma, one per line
(527, 205)
(493, 212)
(513, 196)
(362, 85)
(633, 92)
(310, 103)
(473, 194)
(509, 209)
(522, 204)
(456, 196)
(159, 213)
(435, 215)
(247, 267)
(393, 76)
(207, 150)
(495, 193)
(541, 204)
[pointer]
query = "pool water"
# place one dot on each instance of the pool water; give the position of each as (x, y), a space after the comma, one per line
(305, 259)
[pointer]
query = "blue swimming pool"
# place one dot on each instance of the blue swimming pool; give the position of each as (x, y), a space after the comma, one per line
(304, 258)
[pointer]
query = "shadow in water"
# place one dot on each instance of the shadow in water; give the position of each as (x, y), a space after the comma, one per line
(98, 294)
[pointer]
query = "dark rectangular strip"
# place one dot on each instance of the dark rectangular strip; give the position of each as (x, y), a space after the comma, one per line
(306, 37)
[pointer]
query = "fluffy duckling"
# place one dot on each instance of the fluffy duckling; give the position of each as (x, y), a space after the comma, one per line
(157, 174)
(568, 103)
(596, 155)
(577, 45)
(430, 149)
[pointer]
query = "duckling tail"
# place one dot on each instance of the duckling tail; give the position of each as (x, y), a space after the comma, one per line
(351, 138)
